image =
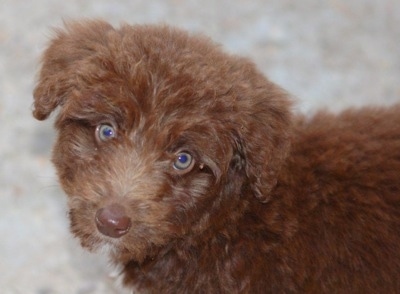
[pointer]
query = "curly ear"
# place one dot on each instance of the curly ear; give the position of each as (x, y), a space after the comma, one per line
(51, 89)
(264, 137)
(58, 76)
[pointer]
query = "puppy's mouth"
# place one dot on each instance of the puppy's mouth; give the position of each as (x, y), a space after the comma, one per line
(121, 231)
(112, 221)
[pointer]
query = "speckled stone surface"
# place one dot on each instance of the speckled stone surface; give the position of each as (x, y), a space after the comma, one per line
(329, 54)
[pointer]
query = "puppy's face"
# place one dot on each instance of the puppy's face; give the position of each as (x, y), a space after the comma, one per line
(165, 168)
(161, 135)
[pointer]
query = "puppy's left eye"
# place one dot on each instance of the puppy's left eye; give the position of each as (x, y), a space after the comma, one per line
(183, 162)
(105, 132)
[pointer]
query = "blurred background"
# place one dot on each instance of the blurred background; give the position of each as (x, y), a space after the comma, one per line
(327, 53)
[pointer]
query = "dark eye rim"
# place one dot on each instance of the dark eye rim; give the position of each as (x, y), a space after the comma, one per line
(98, 134)
(183, 169)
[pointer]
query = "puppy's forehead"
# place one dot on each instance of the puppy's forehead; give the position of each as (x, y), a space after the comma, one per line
(154, 72)
(167, 71)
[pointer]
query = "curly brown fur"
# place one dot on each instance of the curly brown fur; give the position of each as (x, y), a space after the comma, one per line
(270, 203)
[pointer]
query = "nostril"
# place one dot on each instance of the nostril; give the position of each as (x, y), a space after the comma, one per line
(112, 221)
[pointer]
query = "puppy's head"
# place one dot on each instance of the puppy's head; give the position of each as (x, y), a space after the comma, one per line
(160, 134)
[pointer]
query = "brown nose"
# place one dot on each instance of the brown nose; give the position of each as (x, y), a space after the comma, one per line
(112, 221)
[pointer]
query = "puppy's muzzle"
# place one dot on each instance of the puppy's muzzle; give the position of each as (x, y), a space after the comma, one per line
(112, 221)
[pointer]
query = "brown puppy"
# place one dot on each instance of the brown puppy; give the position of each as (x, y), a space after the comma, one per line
(187, 166)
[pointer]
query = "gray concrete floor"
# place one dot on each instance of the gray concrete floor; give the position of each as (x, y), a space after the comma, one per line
(330, 54)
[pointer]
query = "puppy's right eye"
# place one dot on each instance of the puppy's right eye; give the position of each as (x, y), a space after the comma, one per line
(183, 162)
(105, 132)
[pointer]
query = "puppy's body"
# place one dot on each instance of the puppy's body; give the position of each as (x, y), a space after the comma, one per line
(187, 164)
(332, 225)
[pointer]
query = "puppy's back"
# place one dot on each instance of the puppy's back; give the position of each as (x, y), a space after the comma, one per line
(342, 180)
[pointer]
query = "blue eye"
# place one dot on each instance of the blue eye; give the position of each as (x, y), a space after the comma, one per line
(183, 161)
(105, 132)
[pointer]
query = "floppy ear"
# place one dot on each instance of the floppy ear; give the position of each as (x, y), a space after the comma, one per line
(264, 138)
(61, 63)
